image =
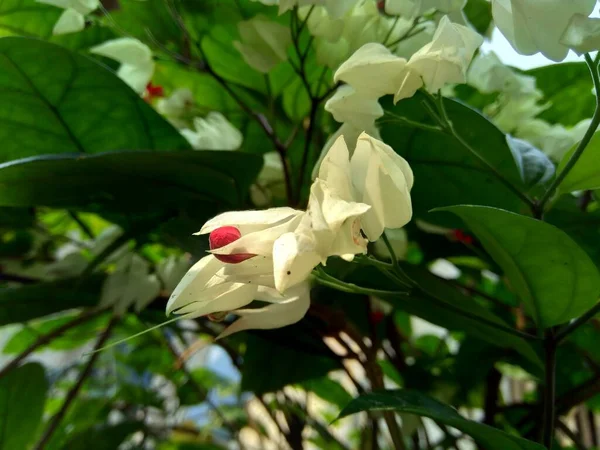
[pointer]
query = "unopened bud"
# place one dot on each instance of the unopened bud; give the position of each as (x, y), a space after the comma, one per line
(223, 236)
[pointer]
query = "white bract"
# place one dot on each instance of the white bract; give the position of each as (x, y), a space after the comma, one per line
(177, 107)
(263, 43)
(137, 65)
(487, 74)
(349, 106)
(73, 18)
(214, 132)
(583, 34)
(533, 26)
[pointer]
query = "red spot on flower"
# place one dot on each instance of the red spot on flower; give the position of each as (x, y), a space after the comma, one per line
(223, 236)
(376, 317)
(153, 92)
(462, 237)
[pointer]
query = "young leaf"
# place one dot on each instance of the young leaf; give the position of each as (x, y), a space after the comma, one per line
(551, 274)
(22, 397)
(534, 166)
(413, 402)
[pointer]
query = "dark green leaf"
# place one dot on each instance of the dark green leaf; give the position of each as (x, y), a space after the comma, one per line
(534, 166)
(445, 172)
(132, 181)
(479, 14)
(81, 108)
(552, 275)
(289, 355)
(20, 304)
(412, 402)
(105, 437)
(22, 397)
(568, 87)
(585, 174)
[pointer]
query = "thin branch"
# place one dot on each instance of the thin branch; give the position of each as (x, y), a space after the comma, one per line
(549, 390)
(570, 434)
(81, 224)
(48, 337)
(54, 422)
(568, 329)
(582, 144)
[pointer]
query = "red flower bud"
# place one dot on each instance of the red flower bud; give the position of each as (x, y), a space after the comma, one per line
(462, 237)
(376, 317)
(226, 235)
(153, 92)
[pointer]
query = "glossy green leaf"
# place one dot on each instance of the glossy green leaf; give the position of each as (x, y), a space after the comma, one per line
(568, 89)
(437, 159)
(585, 174)
(551, 274)
(27, 18)
(20, 304)
(132, 181)
(81, 108)
(22, 397)
(413, 402)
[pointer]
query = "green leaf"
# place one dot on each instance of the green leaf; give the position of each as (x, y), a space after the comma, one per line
(568, 87)
(585, 174)
(27, 18)
(445, 172)
(22, 397)
(298, 355)
(81, 108)
(533, 164)
(329, 390)
(479, 14)
(413, 402)
(130, 181)
(20, 304)
(551, 274)
(105, 437)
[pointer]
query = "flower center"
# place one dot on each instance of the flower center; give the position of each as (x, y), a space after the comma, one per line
(223, 236)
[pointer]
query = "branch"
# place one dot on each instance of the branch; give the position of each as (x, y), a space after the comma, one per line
(48, 337)
(72, 394)
(568, 329)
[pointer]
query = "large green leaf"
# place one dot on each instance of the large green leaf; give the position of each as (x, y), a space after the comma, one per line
(132, 181)
(445, 172)
(413, 402)
(568, 87)
(20, 304)
(22, 397)
(81, 108)
(551, 274)
(585, 174)
(27, 18)
(105, 437)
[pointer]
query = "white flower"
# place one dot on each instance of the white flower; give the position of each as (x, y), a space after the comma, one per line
(533, 26)
(202, 291)
(263, 43)
(214, 132)
(349, 106)
(177, 107)
(516, 110)
(443, 61)
(383, 180)
(487, 74)
(73, 18)
(137, 65)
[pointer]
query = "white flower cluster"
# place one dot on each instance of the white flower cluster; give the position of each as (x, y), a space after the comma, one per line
(268, 255)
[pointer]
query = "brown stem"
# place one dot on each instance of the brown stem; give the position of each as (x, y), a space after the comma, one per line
(48, 337)
(54, 422)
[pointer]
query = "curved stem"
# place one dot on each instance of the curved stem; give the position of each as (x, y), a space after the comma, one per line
(582, 144)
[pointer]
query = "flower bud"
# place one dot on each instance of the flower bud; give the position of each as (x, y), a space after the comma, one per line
(226, 235)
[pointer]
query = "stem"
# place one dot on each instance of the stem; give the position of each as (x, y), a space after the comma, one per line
(84, 226)
(314, 108)
(584, 142)
(48, 337)
(549, 390)
(72, 394)
(568, 329)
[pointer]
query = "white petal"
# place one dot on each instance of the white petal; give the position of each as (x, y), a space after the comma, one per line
(70, 21)
(249, 221)
(294, 258)
(137, 76)
(582, 34)
(410, 84)
(222, 298)
(275, 315)
(346, 105)
(372, 70)
(125, 50)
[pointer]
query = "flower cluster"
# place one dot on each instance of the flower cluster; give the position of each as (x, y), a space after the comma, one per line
(268, 255)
